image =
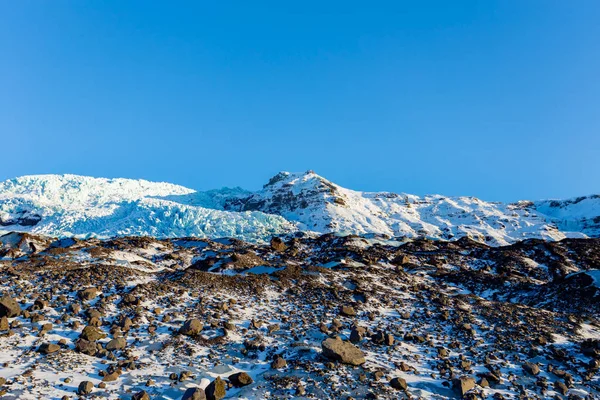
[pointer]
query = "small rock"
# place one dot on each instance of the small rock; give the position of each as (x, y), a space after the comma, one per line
(278, 244)
(4, 326)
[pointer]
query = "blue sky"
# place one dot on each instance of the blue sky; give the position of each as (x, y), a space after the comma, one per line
(495, 99)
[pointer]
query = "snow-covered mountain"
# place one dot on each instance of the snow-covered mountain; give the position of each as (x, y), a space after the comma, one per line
(74, 205)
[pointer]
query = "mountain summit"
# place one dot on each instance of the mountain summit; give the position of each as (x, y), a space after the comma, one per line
(71, 205)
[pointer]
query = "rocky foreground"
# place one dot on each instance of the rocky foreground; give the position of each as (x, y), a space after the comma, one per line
(317, 318)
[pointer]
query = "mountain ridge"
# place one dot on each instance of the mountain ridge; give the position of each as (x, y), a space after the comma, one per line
(74, 205)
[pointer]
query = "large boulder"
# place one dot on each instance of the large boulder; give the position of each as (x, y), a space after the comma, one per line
(9, 307)
(116, 344)
(86, 347)
(215, 390)
(191, 327)
(85, 387)
(345, 352)
(240, 379)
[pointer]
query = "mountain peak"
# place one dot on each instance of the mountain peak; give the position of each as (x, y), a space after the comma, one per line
(285, 177)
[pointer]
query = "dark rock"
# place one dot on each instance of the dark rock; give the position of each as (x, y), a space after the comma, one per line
(240, 379)
(86, 347)
(399, 384)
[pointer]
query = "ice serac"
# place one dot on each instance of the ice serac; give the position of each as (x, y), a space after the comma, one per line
(67, 205)
(581, 214)
(70, 205)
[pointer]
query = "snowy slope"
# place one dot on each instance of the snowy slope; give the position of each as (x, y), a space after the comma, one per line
(74, 205)
(323, 206)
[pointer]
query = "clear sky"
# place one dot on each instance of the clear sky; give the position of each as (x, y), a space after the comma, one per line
(495, 99)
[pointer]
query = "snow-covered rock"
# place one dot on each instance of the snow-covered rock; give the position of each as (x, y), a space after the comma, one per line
(66, 205)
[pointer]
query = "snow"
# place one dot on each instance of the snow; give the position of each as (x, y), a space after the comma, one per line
(71, 205)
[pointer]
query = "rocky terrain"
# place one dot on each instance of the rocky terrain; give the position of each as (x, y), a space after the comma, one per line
(301, 316)
(70, 205)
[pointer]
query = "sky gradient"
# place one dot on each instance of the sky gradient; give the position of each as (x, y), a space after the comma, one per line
(494, 99)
